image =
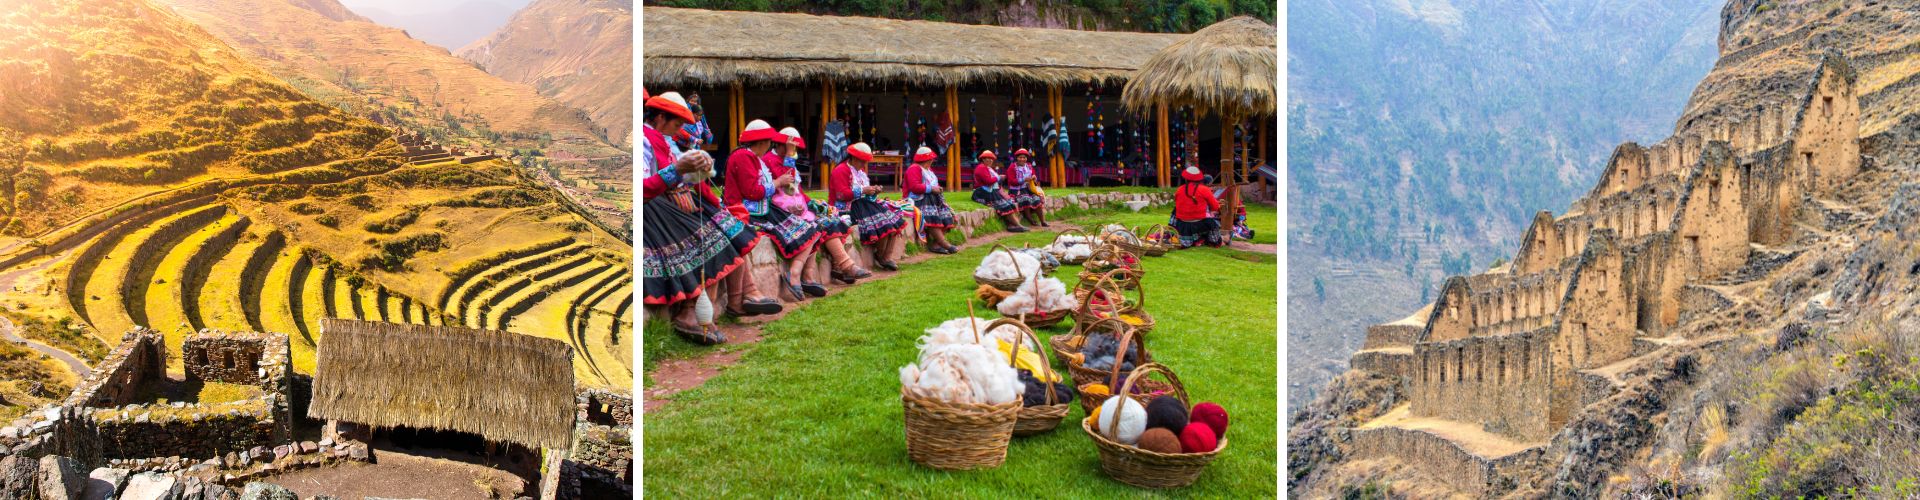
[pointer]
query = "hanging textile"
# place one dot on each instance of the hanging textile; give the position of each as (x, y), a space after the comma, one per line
(834, 144)
(943, 132)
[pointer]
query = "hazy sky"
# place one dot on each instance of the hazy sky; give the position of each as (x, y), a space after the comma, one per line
(405, 7)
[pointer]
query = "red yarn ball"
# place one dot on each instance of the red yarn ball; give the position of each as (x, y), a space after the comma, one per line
(1213, 415)
(1197, 438)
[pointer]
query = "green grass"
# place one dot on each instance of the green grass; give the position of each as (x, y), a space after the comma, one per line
(814, 408)
(1264, 219)
(961, 199)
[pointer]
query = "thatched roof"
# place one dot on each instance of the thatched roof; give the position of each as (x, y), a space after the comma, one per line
(501, 385)
(1229, 66)
(703, 47)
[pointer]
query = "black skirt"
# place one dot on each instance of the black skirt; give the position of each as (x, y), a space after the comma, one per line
(1204, 231)
(1025, 199)
(875, 220)
(993, 199)
(791, 234)
(684, 252)
(934, 211)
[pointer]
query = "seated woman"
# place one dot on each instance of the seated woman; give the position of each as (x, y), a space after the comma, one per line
(832, 230)
(1023, 187)
(751, 183)
(690, 241)
(986, 191)
(923, 189)
(853, 194)
(1196, 211)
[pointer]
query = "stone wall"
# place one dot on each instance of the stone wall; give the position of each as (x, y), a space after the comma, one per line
(1497, 382)
(186, 430)
(604, 407)
(1443, 460)
(116, 379)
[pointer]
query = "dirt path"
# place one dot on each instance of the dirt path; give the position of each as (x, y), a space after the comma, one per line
(404, 475)
(674, 375)
(73, 362)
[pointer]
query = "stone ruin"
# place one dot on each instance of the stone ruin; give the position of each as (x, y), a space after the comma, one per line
(1514, 353)
(132, 445)
(601, 461)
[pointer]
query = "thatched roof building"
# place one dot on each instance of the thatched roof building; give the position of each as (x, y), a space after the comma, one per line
(500, 385)
(1229, 67)
(686, 47)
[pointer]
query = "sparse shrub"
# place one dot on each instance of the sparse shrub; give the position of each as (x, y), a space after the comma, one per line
(395, 223)
(360, 201)
(328, 220)
(304, 208)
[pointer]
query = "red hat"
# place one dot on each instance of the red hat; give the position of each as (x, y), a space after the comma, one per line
(671, 102)
(987, 154)
(1023, 152)
(924, 154)
(860, 150)
(759, 130)
(793, 134)
(1192, 174)
(683, 135)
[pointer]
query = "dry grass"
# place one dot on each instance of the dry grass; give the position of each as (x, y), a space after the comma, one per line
(701, 47)
(504, 386)
(1227, 67)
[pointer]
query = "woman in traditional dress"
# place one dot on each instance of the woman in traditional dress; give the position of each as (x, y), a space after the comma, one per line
(923, 189)
(1022, 187)
(853, 194)
(1196, 211)
(751, 183)
(832, 229)
(690, 243)
(986, 191)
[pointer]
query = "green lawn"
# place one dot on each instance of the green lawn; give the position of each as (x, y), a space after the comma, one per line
(961, 200)
(814, 408)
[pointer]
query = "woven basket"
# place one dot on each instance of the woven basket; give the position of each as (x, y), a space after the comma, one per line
(955, 436)
(1035, 419)
(1067, 342)
(1047, 264)
(1147, 469)
(1151, 245)
(951, 436)
(1114, 284)
(1136, 244)
(1090, 241)
(1082, 375)
(1045, 319)
(1102, 262)
(1008, 284)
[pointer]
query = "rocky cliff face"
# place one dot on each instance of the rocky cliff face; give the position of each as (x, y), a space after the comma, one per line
(1795, 375)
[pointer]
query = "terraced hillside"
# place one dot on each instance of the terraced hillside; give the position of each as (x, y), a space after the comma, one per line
(336, 230)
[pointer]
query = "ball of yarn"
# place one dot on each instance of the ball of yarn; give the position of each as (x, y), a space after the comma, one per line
(1159, 441)
(1096, 390)
(1166, 412)
(1133, 419)
(1214, 416)
(1197, 438)
(1094, 416)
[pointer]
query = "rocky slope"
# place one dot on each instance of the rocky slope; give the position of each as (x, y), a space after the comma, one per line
(1802, 383)
(1424, 135)
(381, 72)
(579, 52)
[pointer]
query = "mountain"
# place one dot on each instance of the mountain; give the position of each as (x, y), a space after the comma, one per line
(447, 24)
(151, 175)
(1424, 135)
(579, 52)
(1728, 312)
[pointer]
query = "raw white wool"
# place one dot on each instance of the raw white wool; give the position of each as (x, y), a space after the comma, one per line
(1044, 294)
(964, 374)
(1000, 265)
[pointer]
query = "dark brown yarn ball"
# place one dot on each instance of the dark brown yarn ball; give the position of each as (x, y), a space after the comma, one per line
(1167, 412)
(1160, 441)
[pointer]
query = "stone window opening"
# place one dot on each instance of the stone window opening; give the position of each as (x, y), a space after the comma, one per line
(1826, 106)
(1460, 364)
(229, 361)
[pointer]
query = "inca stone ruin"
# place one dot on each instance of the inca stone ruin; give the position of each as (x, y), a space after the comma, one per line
(1502, 360)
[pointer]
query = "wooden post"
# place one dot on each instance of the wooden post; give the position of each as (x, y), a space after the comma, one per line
(736, 109)
(820, 167)
(1056, 165)
(1232, 203)
(1161, 157)
(953, 150)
